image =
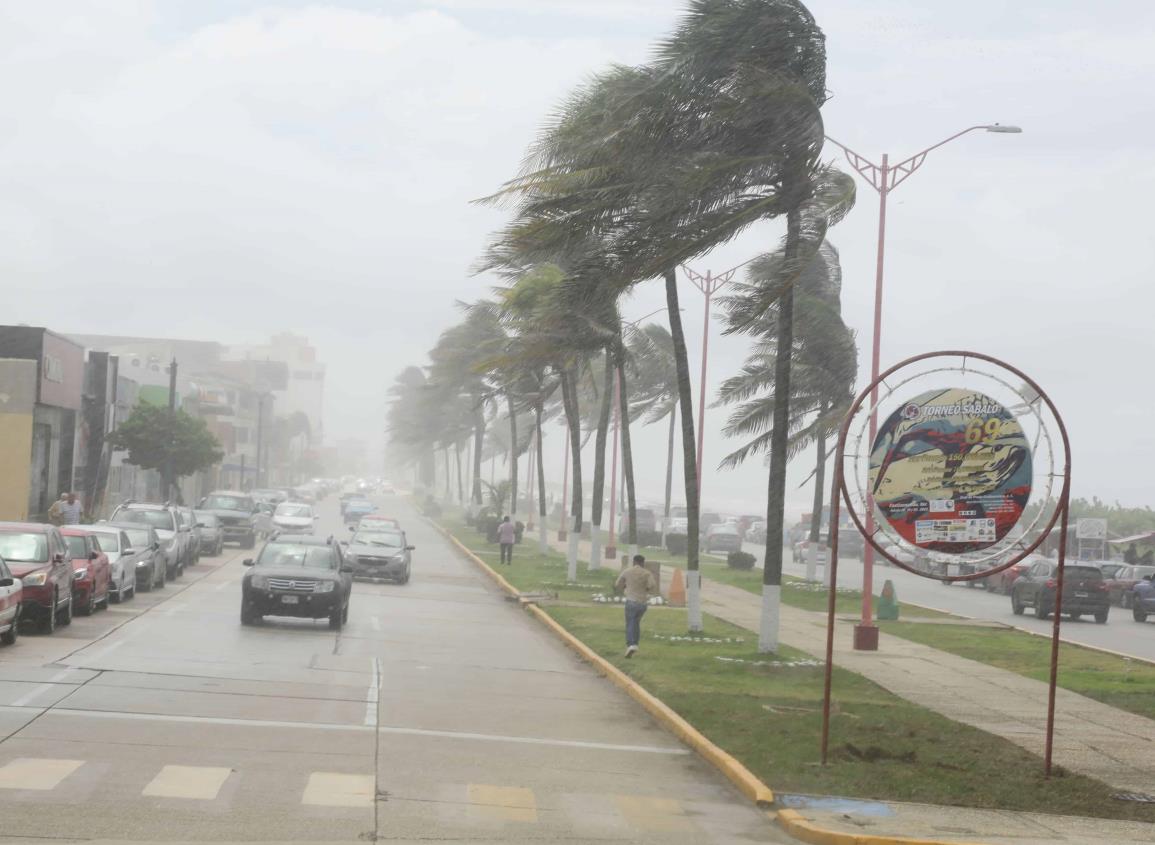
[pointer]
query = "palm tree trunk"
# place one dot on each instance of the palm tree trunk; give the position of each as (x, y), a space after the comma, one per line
(460, 483)
(816, 508)
(512, 455)
(600, 467)
(689, 453)
(669, 474)
(628, 463)
(478, 444)
(570, 405)
(776, 487)
(448, 477)
(543, 531)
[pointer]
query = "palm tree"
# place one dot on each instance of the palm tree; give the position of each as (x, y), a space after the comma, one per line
(824, 356)
(656, 391)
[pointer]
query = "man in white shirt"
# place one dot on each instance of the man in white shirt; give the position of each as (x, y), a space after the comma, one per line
(70, 510)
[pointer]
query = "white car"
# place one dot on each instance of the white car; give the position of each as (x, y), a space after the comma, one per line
(113, 541)
(678, 525)
(293, 518)
(11, 591)
(903, 556)
(802, 549)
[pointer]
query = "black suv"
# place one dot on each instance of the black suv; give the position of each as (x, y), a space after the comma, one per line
(1084, 591)
(298, 575)
(237, 513)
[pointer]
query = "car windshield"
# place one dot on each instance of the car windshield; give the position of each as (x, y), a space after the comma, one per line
(77, 548)
(302, 555)
(138, 537)
(378, 538)
(288, 509)
(208, 520)
(378, 520)
(24, 548)
(106, 541)
(156, 518)
(229, 503)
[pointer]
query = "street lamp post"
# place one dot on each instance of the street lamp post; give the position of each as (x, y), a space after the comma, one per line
(884, 178)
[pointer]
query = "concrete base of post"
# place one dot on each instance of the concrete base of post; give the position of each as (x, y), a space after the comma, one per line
(571, 557)
(694, 599)
(769, 620)
(865, 638)
(595, 546)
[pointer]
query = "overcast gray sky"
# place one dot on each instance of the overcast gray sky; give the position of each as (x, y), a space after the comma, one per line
(226, 169)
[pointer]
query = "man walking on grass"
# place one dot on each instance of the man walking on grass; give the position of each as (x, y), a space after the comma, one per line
(506, 536)
(638, 584)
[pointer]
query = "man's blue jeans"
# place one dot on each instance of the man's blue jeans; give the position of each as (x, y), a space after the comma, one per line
(507, 553)
(635, 610)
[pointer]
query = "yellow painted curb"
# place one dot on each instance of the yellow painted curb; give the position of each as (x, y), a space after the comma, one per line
(793, 823)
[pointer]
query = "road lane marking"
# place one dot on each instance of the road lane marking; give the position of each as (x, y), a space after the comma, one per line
(202, 783)
(333, 789)
(36, 773)
(26, 699)
(658, 814)
(386, 729)
(504, 803)
(373, 693)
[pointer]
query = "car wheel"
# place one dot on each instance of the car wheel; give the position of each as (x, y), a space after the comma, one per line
(1075, 616)
(48, 623)
(1126, 601)
(10, 636)
(1041, 609)
(162, 579)
(64, 617)
(250, 541)
(1101, 616)
(345, 614)
(87, 608)
(1138, 614)
(336, 619)
(145, 585)
(115, 598)
(1016, 605)
(131, 594)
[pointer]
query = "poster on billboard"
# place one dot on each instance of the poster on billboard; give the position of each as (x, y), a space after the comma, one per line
(1091, 528)
(950, 471)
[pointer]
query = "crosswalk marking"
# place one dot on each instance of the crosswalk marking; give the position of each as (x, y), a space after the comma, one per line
(333, 789)
(198, 782)
(504, 803)
(659, 814)
(36, 773)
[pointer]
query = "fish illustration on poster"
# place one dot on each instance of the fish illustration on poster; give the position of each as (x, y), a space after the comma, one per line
(950, 470)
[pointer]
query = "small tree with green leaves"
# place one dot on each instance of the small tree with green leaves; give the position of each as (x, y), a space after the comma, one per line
(168, 441)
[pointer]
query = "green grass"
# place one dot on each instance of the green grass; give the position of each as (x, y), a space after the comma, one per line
(882, 747)
(1126, 684)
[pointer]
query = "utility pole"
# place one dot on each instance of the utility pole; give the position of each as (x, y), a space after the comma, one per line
(260, 439)
(169, 481)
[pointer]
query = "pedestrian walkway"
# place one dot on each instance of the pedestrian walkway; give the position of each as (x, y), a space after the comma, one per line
(1093, 739)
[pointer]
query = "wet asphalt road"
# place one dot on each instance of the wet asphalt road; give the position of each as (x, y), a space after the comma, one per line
(441, 711)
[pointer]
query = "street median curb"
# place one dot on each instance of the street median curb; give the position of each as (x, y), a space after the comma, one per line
(804, 830)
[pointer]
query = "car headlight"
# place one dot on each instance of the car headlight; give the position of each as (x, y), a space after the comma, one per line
(259, 582)
(36, 579)
(80, 573)
(325, 586)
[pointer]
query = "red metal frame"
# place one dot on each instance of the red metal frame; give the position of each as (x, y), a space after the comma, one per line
(840, 491)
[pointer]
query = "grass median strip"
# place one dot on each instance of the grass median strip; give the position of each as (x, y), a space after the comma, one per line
(1117, 681)
(765, 710)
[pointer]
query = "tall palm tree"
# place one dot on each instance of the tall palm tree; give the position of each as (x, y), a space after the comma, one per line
(655, 389)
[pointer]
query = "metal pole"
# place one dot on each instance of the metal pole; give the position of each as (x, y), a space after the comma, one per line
(562, 533)
(170, 480)
(612, 547)
(260, 435)
(708, 290)
(1063, 526)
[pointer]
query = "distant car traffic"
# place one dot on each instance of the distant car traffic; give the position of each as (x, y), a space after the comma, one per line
(11, 591)
(376, 522)
(91, 571)
(723, 538)
(237, 512)
(802, 550)
(113, 541)
(210, 532)
(293, 518)
(375, 553)
(756, 533)
(356, 508)
(38, 555)
(678, 525)
(1084, 591)
(299, 575)
(1143, 599)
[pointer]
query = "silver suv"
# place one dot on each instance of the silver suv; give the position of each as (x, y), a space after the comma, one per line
(175, 535)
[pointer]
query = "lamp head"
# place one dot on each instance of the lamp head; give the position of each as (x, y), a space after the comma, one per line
(1008, 130)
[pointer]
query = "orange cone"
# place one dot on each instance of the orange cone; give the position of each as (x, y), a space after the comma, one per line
(677, 595)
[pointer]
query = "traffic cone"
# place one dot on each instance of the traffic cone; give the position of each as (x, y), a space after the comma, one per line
(678, 589)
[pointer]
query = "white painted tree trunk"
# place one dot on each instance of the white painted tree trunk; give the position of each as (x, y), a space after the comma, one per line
(595, 547)
(811, 563)
(543, 536)
(770, 619)
(694, 599)
(826, 572)
(633, 553)
(571, 556)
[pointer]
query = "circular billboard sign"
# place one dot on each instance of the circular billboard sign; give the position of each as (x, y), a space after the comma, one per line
(950, 470)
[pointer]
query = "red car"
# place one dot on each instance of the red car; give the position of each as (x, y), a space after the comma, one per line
(1124, 582)
(38, 555)
(91, 572)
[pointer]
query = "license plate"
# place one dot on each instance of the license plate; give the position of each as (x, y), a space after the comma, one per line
(290, 599)
(1082, 595)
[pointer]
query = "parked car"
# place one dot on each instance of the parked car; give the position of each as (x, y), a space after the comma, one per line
(723, 538)
(114, 542)
(146, 556)
(1084, 591)
(91, 572)
(1143, 599)
(38, 555)
(300, 575)
(294, 518)
(175, 539)
(210, 532)
(188, 521)
(357, 508)
(237, 512)
(11, 591)
(1110, 568)
(375, 553)
(802, 549)
(1119, 588)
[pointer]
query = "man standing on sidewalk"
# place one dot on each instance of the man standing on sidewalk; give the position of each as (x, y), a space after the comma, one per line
(506, 536)
(638, 584)
(70, 510)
